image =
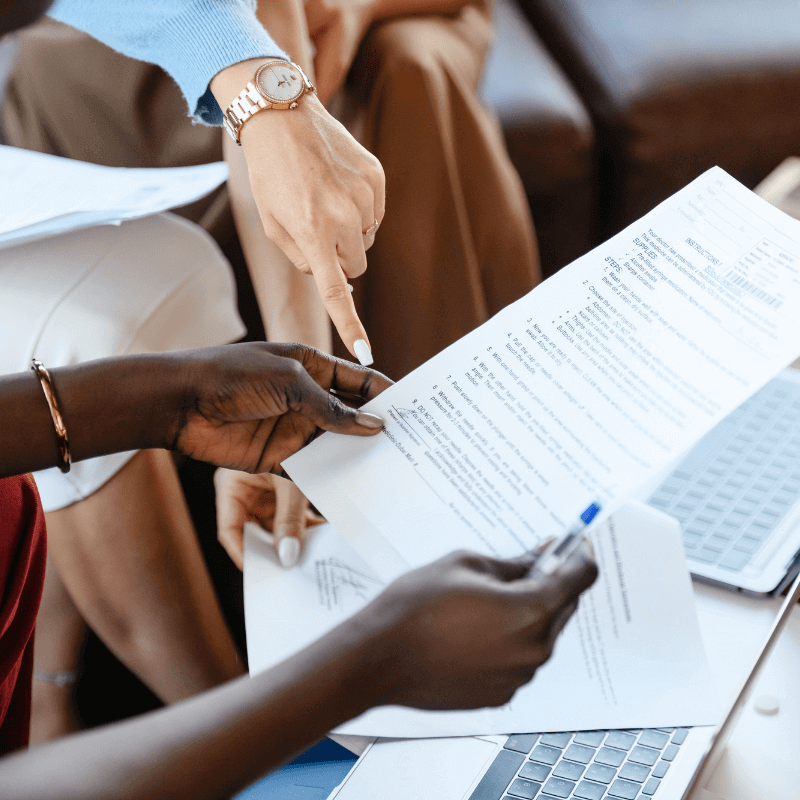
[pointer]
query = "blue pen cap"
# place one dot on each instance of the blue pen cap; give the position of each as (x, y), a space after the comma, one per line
(590, 513)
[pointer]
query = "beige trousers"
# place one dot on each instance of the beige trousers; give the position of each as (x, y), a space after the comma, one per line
(457, 242)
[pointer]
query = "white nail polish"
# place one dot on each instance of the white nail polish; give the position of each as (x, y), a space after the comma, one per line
(289, 551)
(363, 353)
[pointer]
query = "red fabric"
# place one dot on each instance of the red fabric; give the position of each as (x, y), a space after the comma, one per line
(23, 552)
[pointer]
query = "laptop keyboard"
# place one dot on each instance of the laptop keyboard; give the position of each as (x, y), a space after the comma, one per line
(740, 480)
(589, 765)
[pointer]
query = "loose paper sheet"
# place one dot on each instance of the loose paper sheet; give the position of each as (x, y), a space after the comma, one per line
(631, 657)
(52, 195)
(579, 391)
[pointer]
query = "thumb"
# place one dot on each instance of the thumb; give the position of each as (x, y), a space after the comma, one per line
(289, 526)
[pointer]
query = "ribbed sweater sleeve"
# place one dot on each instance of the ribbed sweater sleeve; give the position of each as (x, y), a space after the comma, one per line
(192, 40)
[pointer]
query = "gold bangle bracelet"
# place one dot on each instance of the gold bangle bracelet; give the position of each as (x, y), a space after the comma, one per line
(58, 421)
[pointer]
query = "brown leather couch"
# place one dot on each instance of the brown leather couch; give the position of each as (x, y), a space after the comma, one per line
(675, 88)
(549, 135)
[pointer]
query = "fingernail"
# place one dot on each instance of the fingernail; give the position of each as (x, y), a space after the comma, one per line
(350, 289)
(363, 353)
(289, 551)
(368, 420)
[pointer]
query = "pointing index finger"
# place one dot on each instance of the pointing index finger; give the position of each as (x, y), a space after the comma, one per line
(332, 286)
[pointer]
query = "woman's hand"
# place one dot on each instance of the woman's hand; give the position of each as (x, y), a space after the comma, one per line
(337, 28)
(243, 406)
(463, 632)
(317, 191)
(250, 406)
(467, 631)
(273, 503)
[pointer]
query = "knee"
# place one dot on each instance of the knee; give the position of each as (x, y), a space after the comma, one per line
(402, 57)
(422, 51)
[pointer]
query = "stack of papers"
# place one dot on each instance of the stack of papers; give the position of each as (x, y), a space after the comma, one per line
(632, 656)
(53, 195)
(581, 391)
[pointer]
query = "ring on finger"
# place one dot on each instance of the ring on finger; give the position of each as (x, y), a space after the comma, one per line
(372, 230)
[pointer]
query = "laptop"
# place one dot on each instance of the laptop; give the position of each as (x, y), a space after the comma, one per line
(662, 763)
(736, 494)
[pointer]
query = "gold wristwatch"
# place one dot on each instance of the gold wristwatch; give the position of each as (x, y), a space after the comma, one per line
(277, 84)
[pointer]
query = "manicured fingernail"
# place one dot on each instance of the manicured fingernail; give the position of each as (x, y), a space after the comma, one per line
(368, 420)
(350, 289)
(289, 551)
(363, 353)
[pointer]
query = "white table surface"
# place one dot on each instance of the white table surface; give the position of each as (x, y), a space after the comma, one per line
(762, 759)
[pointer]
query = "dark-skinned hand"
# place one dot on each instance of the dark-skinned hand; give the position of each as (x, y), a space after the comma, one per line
(254, 405)
(467, 630)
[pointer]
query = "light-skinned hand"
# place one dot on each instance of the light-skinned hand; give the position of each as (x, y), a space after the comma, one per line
(273, 503)
(337, 28)
(317, 190)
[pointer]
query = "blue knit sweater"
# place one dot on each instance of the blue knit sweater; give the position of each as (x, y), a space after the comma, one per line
(191, 39)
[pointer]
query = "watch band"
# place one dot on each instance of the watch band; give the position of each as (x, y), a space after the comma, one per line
(250, 101)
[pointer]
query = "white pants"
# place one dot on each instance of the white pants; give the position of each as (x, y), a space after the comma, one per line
(148, 285)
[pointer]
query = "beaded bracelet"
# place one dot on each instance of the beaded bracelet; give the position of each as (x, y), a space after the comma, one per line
(58, 421)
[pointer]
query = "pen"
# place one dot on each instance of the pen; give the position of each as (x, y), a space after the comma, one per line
(557, 552)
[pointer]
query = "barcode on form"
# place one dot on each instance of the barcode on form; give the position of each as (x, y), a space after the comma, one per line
(751, 288)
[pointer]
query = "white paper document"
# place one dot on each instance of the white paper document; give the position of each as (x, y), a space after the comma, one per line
(46, 195)
(631, 657)
(577, 392)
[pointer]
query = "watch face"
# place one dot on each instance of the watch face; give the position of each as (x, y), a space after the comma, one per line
(280, 82)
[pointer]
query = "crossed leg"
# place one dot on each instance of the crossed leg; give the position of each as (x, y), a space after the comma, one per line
(457, 243)
(128, 563)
